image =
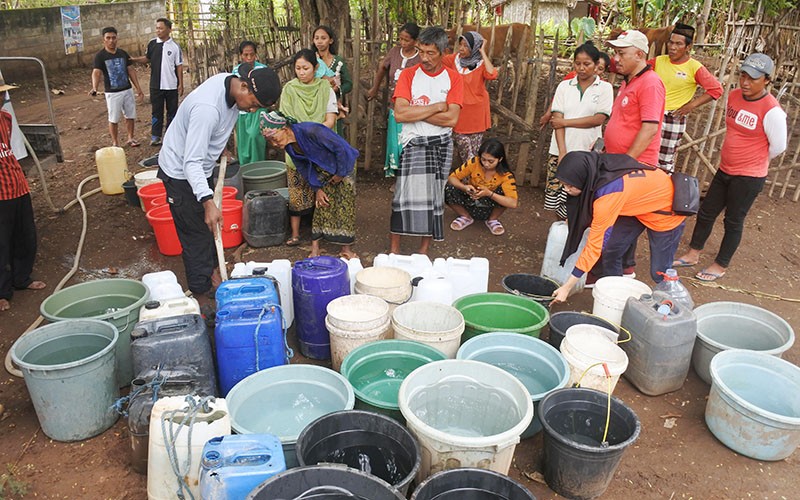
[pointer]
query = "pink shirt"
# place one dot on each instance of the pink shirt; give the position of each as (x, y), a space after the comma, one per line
(640, 99)
(756, 133)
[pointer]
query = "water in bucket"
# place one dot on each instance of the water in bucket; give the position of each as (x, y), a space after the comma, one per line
(66, 349)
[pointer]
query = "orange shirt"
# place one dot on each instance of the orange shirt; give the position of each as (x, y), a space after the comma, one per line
(475, 114)
(473, 171)
(637, 194)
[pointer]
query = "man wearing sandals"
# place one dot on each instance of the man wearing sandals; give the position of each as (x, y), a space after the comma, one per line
(113, 67)
(428, 99)
(17, 227)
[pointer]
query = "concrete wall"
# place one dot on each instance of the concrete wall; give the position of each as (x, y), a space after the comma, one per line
(37, 33)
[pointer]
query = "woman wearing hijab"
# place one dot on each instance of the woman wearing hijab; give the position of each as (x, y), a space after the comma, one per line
(475, 68)
(326, 161)
(617, 198)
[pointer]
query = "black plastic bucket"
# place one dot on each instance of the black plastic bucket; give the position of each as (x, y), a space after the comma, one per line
(561, 321)
(576, 465)
(324, 482)
(364, 441)
(131, 196)
(534, 287)
(470, 484)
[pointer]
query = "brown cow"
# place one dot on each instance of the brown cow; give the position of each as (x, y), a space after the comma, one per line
(657, 37)
(500, 33)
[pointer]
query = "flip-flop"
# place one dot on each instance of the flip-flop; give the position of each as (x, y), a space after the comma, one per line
(460, 223)
(714, 276)
(346, 256)
(293, 241)
(682, 263)
(36, 285)
(132, 143)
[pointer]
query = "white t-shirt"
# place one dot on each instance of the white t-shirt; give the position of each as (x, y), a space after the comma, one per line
(598, 98)
(422, 89)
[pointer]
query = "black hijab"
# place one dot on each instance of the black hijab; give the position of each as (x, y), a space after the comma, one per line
(589, 171)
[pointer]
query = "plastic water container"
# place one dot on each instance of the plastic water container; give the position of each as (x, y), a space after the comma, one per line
(172, 415)
(233, 465)
(467, 276)
(163, 285)
(160, 219)
(354, 265)
(145, 177)
(672, 286)
(281, 270)
(437, 325)
(233, 178)
(249, 293)
(247, 340)
(611, 294)
(264, 218)
(551, 264)
(180, 344)
(263, 175)
(354, 320)
(464, 414)
(154, 309)
(296, 395)
(112, 168)
(587, 345)
(753, 406)
(149, 194)
(470, 483)
(389, 283)
(315, 282)
(231, 223)
(140, 405)
(662, 339)
(325, 482)
(432, 286)
(415, 264)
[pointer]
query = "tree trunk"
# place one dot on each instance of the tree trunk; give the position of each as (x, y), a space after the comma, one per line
(702, 22)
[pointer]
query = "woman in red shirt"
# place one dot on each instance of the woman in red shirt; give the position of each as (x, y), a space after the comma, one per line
(756, 134)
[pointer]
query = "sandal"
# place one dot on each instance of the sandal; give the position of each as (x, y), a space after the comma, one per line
(682, 263)
(495, 227)
(293, 241)
(708, 277)
(132, 143)
(348, 256)
(461, 222)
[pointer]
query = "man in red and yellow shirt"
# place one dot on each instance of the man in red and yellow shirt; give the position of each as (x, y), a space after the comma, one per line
(17, 228)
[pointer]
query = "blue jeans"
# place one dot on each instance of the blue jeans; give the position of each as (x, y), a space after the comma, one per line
(663, 245)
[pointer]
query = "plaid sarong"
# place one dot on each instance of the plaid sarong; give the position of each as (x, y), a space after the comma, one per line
(672, 128)
(418, 204)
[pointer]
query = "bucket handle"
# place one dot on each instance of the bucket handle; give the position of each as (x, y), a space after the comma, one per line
(608, 408)
(620, 327)
(326, 489)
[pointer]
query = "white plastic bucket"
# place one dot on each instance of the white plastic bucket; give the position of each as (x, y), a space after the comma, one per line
(355, 320)
(145, 177)
(585, 345)
(464, 414)
(437, 325)
(611, 293)
(161, 480)
(389, 283)
(344, 341)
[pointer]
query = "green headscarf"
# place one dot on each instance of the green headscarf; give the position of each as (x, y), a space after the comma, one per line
(306, 102)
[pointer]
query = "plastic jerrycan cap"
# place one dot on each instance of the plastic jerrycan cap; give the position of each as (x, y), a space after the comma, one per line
(152, 304)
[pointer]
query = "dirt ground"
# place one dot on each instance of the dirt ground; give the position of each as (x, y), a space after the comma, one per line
(684, 461)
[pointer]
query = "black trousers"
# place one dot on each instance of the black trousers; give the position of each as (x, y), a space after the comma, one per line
(158, 99)
(17, 244)
(735, 194)
(199, 253)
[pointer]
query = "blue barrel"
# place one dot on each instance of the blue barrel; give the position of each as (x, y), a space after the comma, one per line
(232, 466)
(315, 282)
(248, 339)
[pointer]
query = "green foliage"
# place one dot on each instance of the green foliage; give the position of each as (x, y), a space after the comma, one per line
(584, 26)
(9, 484)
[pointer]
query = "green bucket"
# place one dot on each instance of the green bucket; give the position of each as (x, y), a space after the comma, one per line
(376, 371)
(501, 312)
(69, 372)
(116, 301)
(264, 176)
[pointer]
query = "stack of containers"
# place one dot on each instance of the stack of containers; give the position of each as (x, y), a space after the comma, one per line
(250, 330)
(281, 271)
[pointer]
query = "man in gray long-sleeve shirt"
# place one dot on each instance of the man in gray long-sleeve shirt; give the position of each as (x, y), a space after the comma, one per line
(192, 144)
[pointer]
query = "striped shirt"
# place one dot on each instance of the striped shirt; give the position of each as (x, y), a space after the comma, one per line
(12, 180)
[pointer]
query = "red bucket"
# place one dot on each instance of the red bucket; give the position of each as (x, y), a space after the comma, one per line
(151, 192)
(231, 223)
(229, 192)
(160, 219)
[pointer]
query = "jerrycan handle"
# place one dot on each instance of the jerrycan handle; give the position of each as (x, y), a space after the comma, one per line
(252, 458)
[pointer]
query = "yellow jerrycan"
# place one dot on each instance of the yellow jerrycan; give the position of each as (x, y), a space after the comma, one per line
(113, 169)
